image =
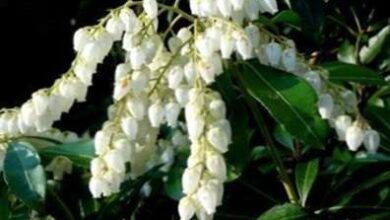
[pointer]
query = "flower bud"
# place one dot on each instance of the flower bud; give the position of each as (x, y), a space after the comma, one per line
(40, 101)
(225, 7)
(98, 187)
(181, 95)
(216, 165)
(156, 114)
(186, 208)
(175, 77)
(115, 27)
(28, 113)
(244, 48)
(218, 139)
(208, 197)
(122, 70)
(371, 140)
(227, 45)
(289, 59)
(274, 53)
(325, 106)
(150, 7)
(217, 109)
(129, 127)
(237, 4)
(81, 38)
(268, 6)
(342, 123)
(354, 137)
(114, 161)
(172, 111)
(314, 80)
(102, 142)
(136, 106)
(190, 179)
(121, 89)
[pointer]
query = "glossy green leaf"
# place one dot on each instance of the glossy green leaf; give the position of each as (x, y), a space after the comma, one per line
(284, 212)
(283, 137)
(80, 153)
(289, 99)
(288, 17)
(24, 173)
(344, 72)
(305, 176)
(374, 47)
(173, 186)
(346, 53)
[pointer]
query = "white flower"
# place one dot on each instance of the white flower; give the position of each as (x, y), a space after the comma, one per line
(244, 48)
(225, 7)
(59, 166)
(137, 58)
(175, 77)
(181, 95)
(314, 80)
(268, 6)
(140, 79)
(274, 53)
(98, 166)
(354, 137)
(195, 127)
(252, 8)
(122, 70)
(84, 72)
(325, 105)
(43, 123)
(150, 7)
(217, 109)
(342, 123)
(136, 107)
(129, 127)
(129, 20)
(81, 38)
(115, 27)
(121, 88)
(218, 138)
(371, 140)
(350, 100)
(191, 178)
(40, 101)
(208, 197)
(186, 208)
(93, 52)
(126, 148)
(12, 125)
(184, 34)
(253, 34)
(28, 113)
(289, 59)
(227, 45)
(114, 161)
(206, 71)
(99, 187)
(189, 72)
(156, 114)
(172, 111)
(102, 142)
(237, 4)
(216, 165)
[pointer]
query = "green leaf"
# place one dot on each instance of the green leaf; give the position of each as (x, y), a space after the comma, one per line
(375, 44)
(284, 212)
(344, 72)
(289, 99)
(173, 186)
(305, 176)
(288, 17)
(372, 182)
(4, 208)
(283, 137)
(24, 173)
(346, 53)
(80, 153)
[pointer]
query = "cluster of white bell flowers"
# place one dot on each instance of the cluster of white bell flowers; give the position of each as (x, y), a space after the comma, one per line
(210, 135)
(162, 76)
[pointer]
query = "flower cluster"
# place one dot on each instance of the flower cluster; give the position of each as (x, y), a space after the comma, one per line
(210, 135)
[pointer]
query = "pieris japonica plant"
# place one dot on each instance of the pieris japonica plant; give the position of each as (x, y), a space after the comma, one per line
(210, 99)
